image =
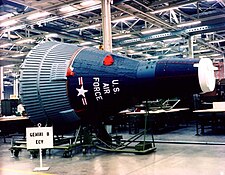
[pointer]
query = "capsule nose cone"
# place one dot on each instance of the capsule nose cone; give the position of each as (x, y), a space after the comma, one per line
(206, 75)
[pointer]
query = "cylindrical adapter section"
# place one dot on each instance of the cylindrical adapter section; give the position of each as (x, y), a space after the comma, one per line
(177, 77)
(43, 84)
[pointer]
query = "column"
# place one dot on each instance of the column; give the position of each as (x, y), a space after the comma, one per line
(190, 46)
(106, 25)
(1, 84)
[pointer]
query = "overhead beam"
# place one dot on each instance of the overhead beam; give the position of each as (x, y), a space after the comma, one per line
(144, 16)
(190, 31)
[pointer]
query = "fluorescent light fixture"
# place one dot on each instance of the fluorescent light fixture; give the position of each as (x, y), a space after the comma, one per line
(144, 44)
(8, 23)
(153, 57)
(86, 43)
(25, 41)
(172, 54)
(172, 39)
(123, 19)
(7, 15)
(88, 3)
(122, 36)
(203, 50)
(147, 55)
(215, 55)
(217, 41)
(38, 15)
(18, 55)
(151, 31)
(67, 9)
(164, 10)
(52, 35)
(6, 45)
(87, 27)
(117, 48)
(130, 51)
(203, 56)
(189, 23)
(135, 53)
(14, 28)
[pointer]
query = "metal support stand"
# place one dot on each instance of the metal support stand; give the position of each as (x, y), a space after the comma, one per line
(131, 145)
(41, 168)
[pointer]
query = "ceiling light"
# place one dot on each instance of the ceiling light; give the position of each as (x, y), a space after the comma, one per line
(163, 10)
(18, 55)
(67, 9)
(130, 51)
(189, 23)
(215, 55)
(14, 28)
(123, 19)
(144, 44)
(8, 23)
(5, 45)
(122, 36)
(172, 39)
(52, 35)
(25, 41)
(87, 27)
(203, 56)
(172, 54)
(151, 31)
(117, 48)
(217, 41)
(7, 15)
(88, 3)
(136, 53)
(203, 50)
(153, 57)
(38, 15)
(86, 43)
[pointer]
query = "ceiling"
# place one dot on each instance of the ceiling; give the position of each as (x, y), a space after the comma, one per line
(141, 29)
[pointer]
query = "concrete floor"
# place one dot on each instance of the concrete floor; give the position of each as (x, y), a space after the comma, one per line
(176, 159)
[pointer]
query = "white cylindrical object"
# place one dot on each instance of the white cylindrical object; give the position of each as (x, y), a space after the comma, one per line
(206, 75)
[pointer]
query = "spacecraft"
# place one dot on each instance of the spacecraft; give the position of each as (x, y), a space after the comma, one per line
(62, 84)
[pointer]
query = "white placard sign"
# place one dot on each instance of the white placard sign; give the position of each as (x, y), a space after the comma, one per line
(39, 137)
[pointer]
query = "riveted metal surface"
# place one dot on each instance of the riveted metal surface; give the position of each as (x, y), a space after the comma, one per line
(43, 81)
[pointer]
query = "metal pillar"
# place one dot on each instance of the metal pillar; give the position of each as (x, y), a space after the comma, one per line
(106, 25)
(15, 86)
(1, 84)
(190, 46)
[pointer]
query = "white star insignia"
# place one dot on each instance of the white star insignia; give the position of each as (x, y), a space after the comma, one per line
(81, 91)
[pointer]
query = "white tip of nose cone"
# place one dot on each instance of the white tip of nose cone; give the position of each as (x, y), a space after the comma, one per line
(206, 76)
